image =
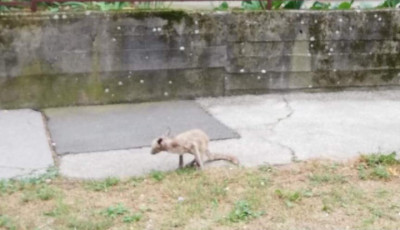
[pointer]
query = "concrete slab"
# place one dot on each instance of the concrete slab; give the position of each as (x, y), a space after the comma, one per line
(24, 146)
(328, 125)
(341, 126)
(113, 127)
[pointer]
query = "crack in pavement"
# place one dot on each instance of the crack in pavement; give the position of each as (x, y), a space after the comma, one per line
(278, 121)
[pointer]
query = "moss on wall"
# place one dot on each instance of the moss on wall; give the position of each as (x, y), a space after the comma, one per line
(44, 82)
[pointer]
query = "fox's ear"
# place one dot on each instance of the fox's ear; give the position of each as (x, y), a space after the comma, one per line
(168, 132)
(159, 141)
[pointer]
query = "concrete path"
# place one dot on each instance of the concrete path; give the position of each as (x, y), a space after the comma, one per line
(274, 129)
(24, 147)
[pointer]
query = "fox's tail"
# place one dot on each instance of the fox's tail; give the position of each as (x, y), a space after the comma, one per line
(216, 157)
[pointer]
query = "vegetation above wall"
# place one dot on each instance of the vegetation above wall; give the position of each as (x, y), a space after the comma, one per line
(224, 6)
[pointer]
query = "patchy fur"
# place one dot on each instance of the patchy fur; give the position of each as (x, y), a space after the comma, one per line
(194, 142)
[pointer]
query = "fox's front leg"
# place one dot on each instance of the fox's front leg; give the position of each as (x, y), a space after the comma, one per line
(180, 161)
(198, 157)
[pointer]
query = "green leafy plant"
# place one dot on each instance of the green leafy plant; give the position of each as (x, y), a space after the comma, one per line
(380, 159)
(132, 218)
(157, 175)
(292, 4)
(320, 6)
(344, 5)
(253, 5)
(114, 211)
(76, 5)
(222, 7)
(105, 6)
(380, 172)
(389, 4)
(243, 212)
(153, 5)
(289, 197)
(376, 165)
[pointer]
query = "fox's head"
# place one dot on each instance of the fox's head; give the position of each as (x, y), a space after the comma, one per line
(159, 144)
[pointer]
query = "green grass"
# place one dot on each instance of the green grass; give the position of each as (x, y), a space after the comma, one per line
(7, 223)
(79, 223)
(216, 198)
(42, 192)
(157, 175)
(321, 178)
(376, 166)
(103, 185)
(59, 210)
(13, 185)
(46, 193)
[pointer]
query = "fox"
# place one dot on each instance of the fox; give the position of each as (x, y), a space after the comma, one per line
(195, 142)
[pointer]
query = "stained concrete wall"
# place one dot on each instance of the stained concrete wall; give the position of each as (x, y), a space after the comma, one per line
(95, 58)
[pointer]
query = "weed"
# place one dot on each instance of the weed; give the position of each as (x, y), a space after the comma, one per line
(103, 185)
(326, 208)
(219, 189)
(186, 170)
(28, 196)
(46, 193)
(257, 180)
(7, 223)
(380, 159)
(114, 211)
(243, 212)
(289, 197)
(157, 175)
(51, 173)
(84, 224)
(362, 174)
(11, 186)
(7, 186)
(381, 193)
(380, 172)
(266, 168)
(135, 181)
(327, 178)
(132, 218)
(60, 209)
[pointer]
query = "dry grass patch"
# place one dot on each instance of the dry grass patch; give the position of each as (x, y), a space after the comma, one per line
(309, 195)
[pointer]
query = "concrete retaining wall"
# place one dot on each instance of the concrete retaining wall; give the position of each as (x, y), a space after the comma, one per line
(97, 58)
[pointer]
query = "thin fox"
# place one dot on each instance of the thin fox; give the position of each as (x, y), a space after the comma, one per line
(194, 142)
